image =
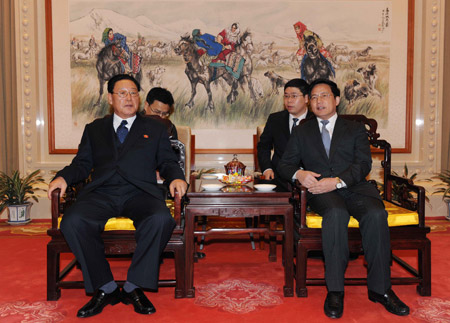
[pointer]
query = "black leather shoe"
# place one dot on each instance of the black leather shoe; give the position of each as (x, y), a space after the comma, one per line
(390, 301)
(140, 302)
(334, 304)
(98, 302)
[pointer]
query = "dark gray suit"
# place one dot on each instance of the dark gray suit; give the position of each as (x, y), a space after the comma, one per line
(350, 159)
(123, 184)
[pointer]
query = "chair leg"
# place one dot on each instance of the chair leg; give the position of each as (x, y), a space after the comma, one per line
(300, 274)
(180, 288)
(424, 288)
(272, 240)
(202, 239)
(249, 224)
(262, 236)
(53, 292)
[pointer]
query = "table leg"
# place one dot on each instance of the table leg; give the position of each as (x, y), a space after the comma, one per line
(288, 247)
(189, 257)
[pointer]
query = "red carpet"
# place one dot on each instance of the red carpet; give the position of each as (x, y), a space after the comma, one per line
(233, 284)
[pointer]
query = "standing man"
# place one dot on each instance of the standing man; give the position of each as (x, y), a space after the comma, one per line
(331, 157)
(279, 126)
(121, 153)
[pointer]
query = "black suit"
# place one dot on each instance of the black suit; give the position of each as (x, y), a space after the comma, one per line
(123, 184)
(275, 136)
(350, 160)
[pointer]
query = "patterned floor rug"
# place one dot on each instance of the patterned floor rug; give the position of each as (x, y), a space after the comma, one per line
(434, 310)
(238, 296)
(20, 311)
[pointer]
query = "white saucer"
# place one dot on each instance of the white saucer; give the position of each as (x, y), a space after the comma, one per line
(212, 187)
(264, 187)
(219, 175)
(209, 176)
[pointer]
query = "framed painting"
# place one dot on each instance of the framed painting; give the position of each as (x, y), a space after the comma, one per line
(226, 62)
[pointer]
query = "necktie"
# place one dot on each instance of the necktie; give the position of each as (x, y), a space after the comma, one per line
(122, 131)
(294, 124)
(326, 137)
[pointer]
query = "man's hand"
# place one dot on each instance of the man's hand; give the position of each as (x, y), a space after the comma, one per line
(325, 185)
(307, 178)
(58, 182)
(179, 185)
(269, 174)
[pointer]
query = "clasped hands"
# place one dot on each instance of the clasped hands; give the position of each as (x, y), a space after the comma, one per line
(309, 180)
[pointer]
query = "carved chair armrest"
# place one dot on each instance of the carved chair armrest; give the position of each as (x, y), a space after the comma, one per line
(56, 207)
(299, 195)
(411, 197)
(178, 209)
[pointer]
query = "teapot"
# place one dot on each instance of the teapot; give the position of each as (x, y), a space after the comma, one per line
(235, 167)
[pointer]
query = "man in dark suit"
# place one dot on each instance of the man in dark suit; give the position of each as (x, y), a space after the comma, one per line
(121, 153)
(331, 157)
(160, 102)
(279, 126)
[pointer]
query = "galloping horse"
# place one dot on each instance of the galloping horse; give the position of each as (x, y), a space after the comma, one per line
(108, 65)
(314, 64)
(197, 74)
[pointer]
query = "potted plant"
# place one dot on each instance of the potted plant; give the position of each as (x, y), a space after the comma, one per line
(15, 191)
(444, 189)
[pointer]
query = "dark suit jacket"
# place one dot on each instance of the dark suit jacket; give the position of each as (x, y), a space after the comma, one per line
(350, 158)
(146, 148)
(275, 136)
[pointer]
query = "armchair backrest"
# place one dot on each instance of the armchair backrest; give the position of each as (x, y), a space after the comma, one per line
(381, 144)
(259, 131)
(188, 139)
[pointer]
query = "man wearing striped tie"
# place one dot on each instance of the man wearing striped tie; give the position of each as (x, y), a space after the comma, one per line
(279, 126)
(331, 157)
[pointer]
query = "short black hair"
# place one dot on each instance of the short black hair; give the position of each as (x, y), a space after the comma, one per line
(333, 86)
(120, 77)
(162, 95)
(300, 84)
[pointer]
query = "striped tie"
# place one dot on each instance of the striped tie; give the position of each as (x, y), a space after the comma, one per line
(326, 137)
(294, 124)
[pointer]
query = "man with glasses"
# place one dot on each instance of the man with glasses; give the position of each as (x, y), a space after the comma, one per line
(120, 153)
(331, 157)
(279, 126)
(160, 103)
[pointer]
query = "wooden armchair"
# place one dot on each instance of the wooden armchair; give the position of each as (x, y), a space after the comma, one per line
(118, 236)
(406, 219)
(119, 240)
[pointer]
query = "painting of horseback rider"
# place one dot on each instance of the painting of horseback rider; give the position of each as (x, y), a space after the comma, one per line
(302, 32)
(206, 44)
(109, 37)
(229, 38)
(312, 54)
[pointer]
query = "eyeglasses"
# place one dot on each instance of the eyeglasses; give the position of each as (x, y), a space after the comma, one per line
(324, 96)
(124, 93)
(292, 96)
(160, 113)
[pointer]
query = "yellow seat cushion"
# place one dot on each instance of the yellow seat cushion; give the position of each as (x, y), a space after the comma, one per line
(126, 223)
(397, 216)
